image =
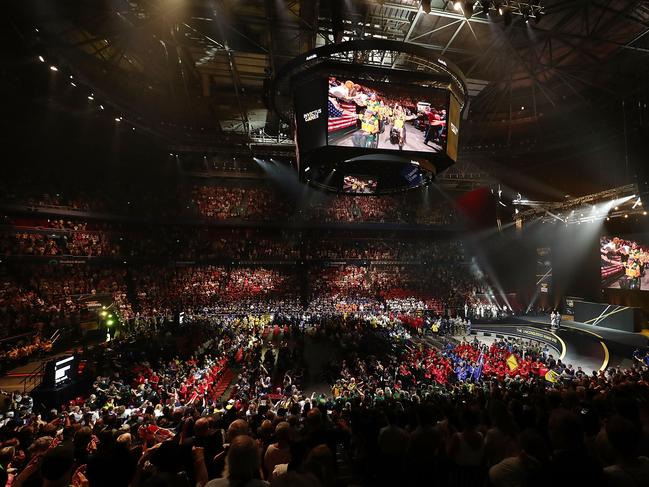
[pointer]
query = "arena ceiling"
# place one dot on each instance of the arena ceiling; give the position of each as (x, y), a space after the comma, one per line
(201, 67)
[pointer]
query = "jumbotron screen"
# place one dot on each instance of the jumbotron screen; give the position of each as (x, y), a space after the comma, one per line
(624, 263)
(359, 184)
(376, 115)
(63, 370)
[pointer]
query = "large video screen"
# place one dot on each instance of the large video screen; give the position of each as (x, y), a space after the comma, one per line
(359, 184)
(63, 370)
(624, 263)
(386, 116)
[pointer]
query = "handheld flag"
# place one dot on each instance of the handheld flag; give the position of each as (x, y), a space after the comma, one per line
(552, 376)
(512, 363)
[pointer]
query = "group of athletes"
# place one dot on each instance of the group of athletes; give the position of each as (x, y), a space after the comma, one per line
(376, 117)
(379, 113)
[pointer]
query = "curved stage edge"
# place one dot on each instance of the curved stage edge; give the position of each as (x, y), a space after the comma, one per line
(579, 344)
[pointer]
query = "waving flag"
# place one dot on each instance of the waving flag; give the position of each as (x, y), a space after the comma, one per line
(341, 116)
(512, 363)
(552, 376)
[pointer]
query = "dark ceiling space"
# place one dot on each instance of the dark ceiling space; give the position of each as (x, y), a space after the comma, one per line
(560, 102)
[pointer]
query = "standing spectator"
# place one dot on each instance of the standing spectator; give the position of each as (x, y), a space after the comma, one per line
(242, 465)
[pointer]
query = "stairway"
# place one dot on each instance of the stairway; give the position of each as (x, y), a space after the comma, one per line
(223, 384)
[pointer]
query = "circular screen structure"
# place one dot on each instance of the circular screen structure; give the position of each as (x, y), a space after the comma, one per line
(364, 128)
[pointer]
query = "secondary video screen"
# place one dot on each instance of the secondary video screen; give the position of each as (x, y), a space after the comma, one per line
(359, 184)
(624, 263)
(386, 116)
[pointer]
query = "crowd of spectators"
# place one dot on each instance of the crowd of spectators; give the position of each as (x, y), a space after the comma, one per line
(42, 298)
(395, 287)
(76, 243)
(238, 203)
(386, 249)
(120, 241)
(398, 410)
(258, 202)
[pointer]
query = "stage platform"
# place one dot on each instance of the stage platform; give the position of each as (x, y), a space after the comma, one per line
(582, 345)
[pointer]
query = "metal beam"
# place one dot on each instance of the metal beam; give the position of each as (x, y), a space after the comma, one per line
(437, 29)
(436, 11)
(455, 34)
(408, 34)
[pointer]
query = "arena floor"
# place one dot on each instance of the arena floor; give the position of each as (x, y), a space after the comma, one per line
(414, 141)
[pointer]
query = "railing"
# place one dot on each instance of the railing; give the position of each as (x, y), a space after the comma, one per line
(16, 337)
(34, 379)
(55, 336)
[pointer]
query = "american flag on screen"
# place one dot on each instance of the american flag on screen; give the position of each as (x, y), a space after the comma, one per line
(341, 118)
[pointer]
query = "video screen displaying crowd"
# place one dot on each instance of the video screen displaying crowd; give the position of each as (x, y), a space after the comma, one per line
(623, 263)
(358, 115)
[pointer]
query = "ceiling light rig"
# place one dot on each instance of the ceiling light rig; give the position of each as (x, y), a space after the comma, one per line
(506, 9)
(603, 206)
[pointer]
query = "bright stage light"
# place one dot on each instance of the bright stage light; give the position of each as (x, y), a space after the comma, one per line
(54, 68)
(41, 59)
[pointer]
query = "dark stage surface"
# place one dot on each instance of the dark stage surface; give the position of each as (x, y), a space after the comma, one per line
(579, 344)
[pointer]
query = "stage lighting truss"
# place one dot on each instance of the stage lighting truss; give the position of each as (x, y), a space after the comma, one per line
(612, 203)
(478, 9)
